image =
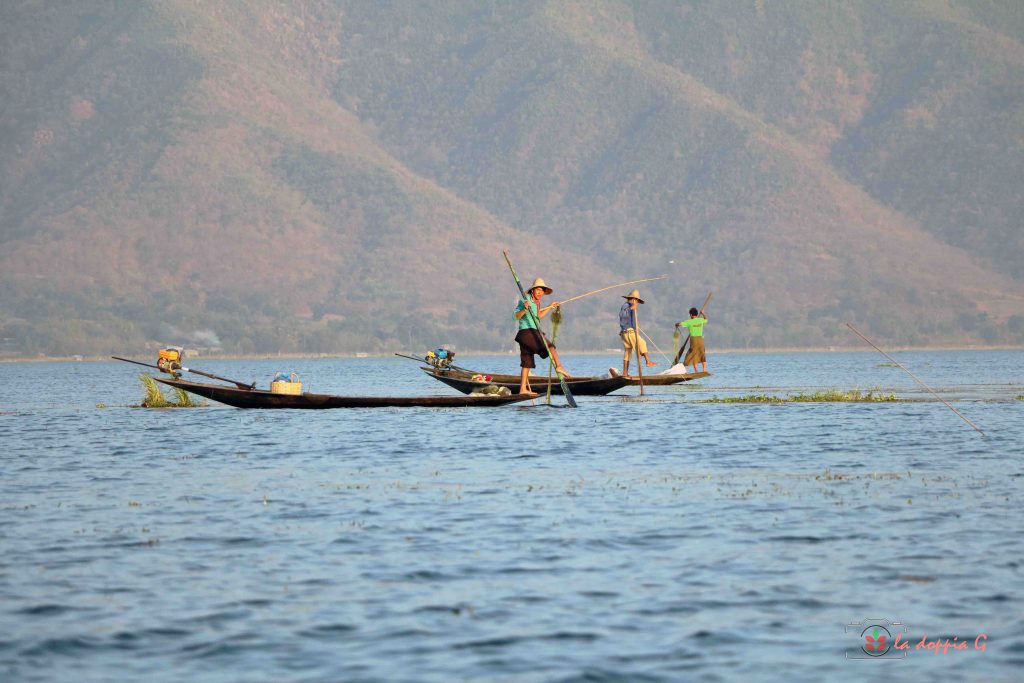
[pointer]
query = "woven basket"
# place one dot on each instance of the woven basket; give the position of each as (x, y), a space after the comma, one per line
(293, 388)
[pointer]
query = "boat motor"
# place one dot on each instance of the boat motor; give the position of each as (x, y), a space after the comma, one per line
(440, 358)
(169, 360)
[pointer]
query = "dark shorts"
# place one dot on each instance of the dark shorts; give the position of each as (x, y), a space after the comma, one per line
(530, 345)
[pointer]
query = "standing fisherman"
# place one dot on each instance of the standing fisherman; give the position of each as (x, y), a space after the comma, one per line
(528, 337)
(627, 331)
(695, 326)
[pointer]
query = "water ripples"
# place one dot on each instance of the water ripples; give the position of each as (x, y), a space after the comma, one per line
(641, 540)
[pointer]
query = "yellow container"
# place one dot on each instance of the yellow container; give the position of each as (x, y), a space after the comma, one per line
(293, 388)
(171, 354)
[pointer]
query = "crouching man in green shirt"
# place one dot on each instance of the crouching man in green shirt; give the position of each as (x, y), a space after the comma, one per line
(695, 326)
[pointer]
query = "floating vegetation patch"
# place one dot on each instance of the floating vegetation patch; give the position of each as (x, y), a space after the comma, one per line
(1021, 397)
(155, 397)
(184, 398)
(829, 396)
(886, 364)
(752, 398)
(840, 396)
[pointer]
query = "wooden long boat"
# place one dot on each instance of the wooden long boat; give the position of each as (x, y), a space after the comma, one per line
(663, 380)
(259, 398)
(582, 386)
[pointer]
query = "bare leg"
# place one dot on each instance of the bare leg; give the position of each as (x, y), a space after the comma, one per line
(625, 367)
(558, 363)
(524, 381)
(649, 361)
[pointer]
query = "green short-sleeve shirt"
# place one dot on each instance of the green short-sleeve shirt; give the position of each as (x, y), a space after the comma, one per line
(695, 326)
(527, 322)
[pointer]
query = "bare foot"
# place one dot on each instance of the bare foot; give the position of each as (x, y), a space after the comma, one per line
(562, 372)
(651, 363)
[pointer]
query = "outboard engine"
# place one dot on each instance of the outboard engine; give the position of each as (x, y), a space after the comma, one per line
(169, 359)
(440, 358)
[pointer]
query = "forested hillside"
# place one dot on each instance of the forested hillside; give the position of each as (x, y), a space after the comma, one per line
(316, 176)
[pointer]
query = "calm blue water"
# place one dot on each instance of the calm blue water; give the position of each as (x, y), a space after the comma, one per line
(660, 539)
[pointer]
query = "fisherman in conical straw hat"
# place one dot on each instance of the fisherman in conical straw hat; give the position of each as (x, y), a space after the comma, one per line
(628, 332)
(528, 337)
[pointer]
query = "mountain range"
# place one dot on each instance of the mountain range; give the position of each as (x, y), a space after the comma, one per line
(317, 176)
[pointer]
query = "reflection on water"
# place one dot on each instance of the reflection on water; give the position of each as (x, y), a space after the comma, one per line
(653, 539)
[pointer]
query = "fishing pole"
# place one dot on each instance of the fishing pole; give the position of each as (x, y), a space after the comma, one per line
(902, 367)
(556, 322)
(240, 385)
(536, 321)
(605, 289)
(656, 347)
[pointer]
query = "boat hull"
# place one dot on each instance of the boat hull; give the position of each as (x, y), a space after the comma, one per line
(258, 398)
(579, 386)
(664, 380)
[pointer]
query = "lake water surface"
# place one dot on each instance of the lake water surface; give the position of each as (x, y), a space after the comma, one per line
(655, 539)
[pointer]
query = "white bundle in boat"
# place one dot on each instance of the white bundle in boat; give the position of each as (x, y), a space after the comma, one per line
(492, 390)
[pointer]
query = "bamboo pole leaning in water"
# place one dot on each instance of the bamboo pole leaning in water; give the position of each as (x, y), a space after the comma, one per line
(636, 343)
(902, 367)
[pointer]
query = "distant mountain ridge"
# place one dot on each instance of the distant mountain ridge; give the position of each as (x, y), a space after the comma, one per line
(340, 176)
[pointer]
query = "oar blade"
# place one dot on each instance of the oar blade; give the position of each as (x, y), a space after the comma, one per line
(565, 390)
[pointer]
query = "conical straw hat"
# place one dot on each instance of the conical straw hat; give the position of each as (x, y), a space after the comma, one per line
(635, 294)
(539, 282)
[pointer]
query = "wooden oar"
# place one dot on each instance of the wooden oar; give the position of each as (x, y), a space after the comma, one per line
(900, 365)
(605, 289)
(240, 385)
(536, 321)
(686, 341)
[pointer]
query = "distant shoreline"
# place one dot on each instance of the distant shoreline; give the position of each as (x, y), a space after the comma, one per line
(567, 352)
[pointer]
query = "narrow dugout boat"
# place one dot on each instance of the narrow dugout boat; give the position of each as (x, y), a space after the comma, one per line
(259, 398)
(664, 380)
(463, 381)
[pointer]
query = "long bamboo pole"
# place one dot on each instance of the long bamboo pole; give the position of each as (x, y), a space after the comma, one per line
(605, 289)
(556, 321)
(902, 367)
(636, 343)
(240, 385)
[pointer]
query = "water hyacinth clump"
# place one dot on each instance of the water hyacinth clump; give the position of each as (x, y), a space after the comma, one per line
(751, 398)
(827, 396)
(840, 396)
(155, 397)
(184, 398)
